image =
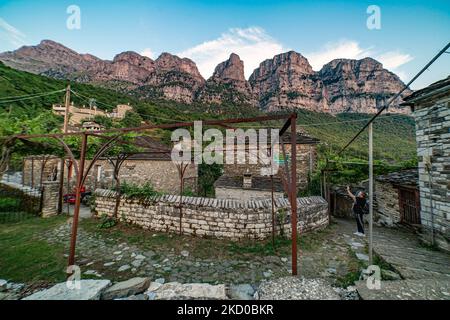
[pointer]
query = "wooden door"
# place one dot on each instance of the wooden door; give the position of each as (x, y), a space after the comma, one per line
(409, 205)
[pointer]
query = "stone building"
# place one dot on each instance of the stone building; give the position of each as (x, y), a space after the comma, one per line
(38, 169)
(306, 159)
(91, 126)
(140, 168)
(431, 109)
(397, 198)
(78, 114)
(247, 187)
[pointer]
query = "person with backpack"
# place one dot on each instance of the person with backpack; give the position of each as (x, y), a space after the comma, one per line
(359, 208)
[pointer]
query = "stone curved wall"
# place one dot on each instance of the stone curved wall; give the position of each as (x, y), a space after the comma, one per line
(216, 218)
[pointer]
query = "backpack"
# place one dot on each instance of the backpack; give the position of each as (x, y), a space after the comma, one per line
(365, 209)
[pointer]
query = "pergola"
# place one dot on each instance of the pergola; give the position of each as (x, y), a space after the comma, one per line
(112, 137)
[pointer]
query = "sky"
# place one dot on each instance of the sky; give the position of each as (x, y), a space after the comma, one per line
(403, 35)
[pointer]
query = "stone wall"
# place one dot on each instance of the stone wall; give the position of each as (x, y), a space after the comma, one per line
(50, 196)
(35, 165)
(245, 194)
(161, 174)
(388, 210)
(217, 218)
(433, 148)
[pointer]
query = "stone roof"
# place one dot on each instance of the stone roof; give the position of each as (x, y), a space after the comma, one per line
(152, 149)
(258, 183)
(441, 87)
(302, 138)
(222, 203)
(409, 177)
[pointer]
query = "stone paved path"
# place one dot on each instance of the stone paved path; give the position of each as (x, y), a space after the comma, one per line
(85, 211)
(422, 289)
(425, 273)
(402, 250)
(331, 256)
(101, 257)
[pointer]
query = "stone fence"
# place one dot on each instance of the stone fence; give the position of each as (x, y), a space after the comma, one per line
(211, 217)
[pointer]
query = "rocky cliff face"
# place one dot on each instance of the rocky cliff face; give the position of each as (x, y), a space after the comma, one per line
(287, 81)
(359, 86)
(228, 84)
(167, 77)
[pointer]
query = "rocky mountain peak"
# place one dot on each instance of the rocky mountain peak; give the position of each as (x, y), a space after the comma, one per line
(289, 62)
(228, 84)
(359, 85)
(48, 45)
(135, 59)
(170, 62)
(230, 70)
(287, 81)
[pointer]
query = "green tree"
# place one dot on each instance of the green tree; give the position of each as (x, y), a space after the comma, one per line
(207, 175)
(104, 121)
(131, 119)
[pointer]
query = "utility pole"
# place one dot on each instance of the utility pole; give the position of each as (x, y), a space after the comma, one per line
(76, 213)
(66, 112)
(293, 191)
(371, 193)
(63, 160)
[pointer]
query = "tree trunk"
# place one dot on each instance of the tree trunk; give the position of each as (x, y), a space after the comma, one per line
(118, 195)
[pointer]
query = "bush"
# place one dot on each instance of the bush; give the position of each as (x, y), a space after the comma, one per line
(106, 222)
(136, 191)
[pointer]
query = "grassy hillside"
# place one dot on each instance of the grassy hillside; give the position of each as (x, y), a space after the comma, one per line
(393, 136)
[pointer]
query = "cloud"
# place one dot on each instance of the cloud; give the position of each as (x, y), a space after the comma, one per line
(350, 49)
(11, 34)
(394, 59)
(147, 52)
(253, 45)
(342, 49)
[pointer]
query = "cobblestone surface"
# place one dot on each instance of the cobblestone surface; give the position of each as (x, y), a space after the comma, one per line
(421, 289)
(402, 250)
(100, 257)
(295, 288)
(424, 273)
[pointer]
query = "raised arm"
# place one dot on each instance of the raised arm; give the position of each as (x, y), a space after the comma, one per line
(351, 194)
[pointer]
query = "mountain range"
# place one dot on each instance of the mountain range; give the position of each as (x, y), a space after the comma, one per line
(287, 81)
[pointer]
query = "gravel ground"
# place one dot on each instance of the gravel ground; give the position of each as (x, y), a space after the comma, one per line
(292, 288)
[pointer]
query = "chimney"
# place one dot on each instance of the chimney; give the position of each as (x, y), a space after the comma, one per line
(247, 183)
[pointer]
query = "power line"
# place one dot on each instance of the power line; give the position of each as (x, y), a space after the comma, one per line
(32, 97)
(27, 95)
(387, 116)
(396, 96)
(110, 106)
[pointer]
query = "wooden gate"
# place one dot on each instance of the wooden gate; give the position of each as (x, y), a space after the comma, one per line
(409, 204)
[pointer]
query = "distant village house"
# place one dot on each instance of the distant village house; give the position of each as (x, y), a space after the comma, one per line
(78, 116)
